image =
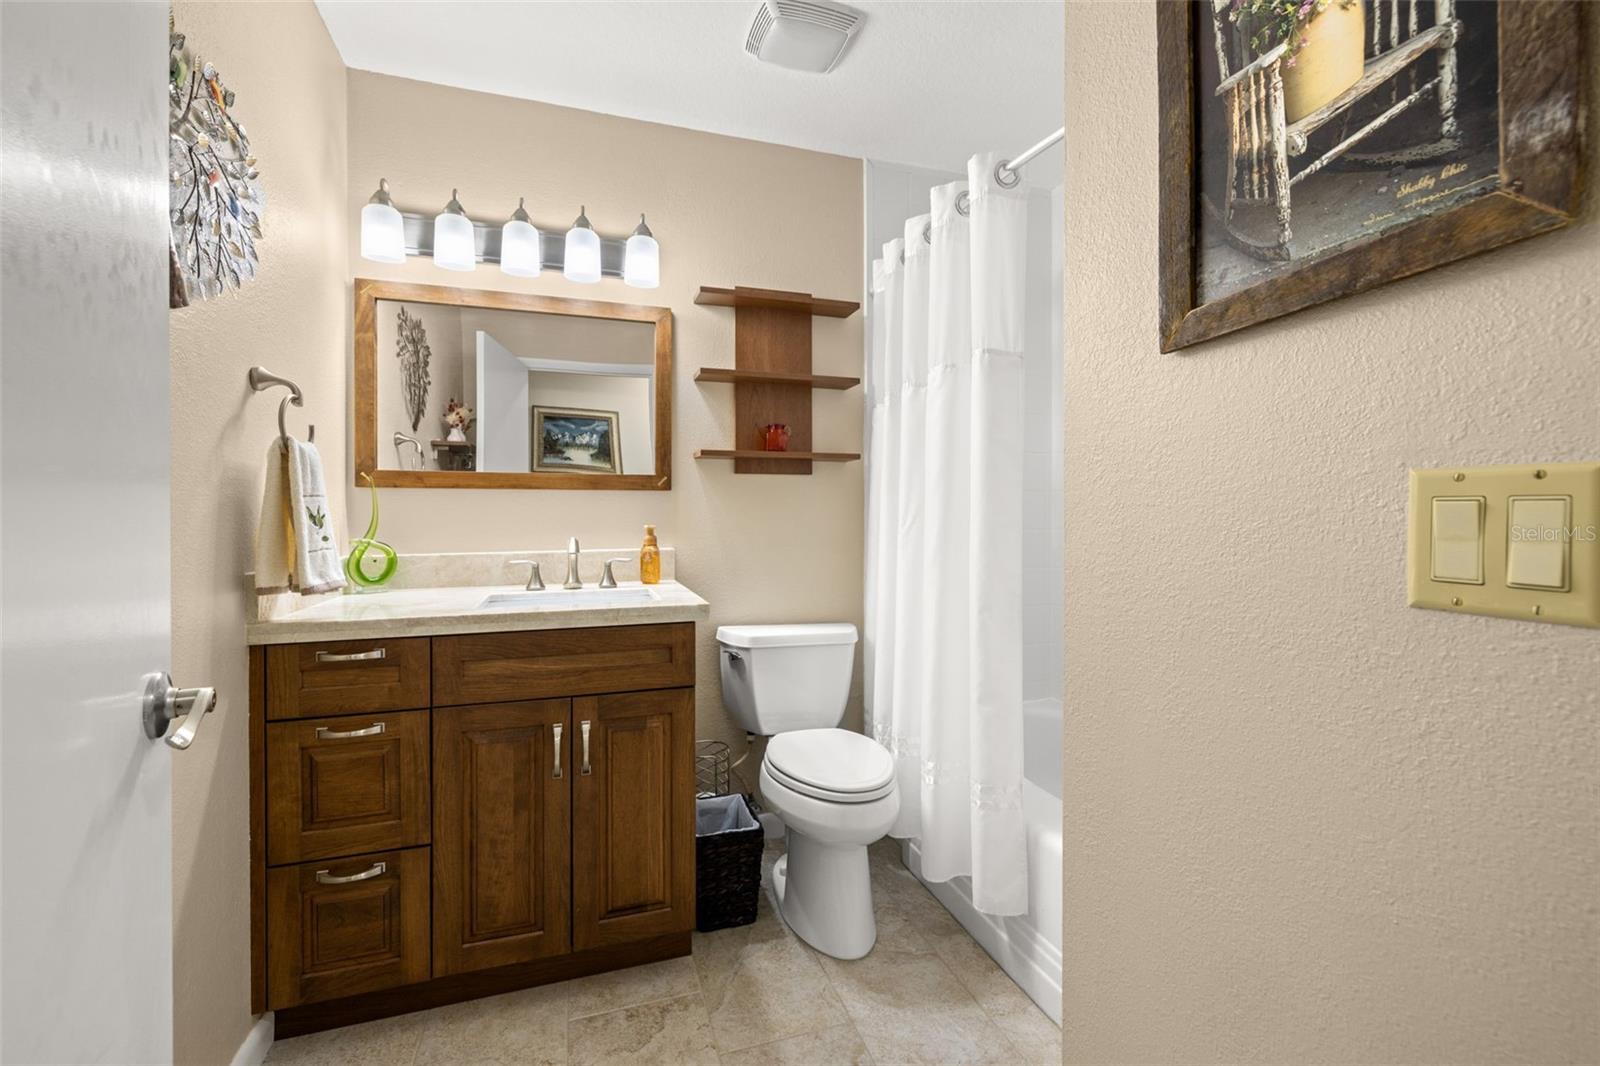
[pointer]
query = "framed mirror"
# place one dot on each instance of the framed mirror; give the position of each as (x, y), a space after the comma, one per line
(469, 388)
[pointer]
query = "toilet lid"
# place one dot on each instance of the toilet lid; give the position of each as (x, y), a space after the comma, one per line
(834, 761)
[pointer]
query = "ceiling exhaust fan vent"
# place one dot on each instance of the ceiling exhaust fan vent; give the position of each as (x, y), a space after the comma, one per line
(802, 34)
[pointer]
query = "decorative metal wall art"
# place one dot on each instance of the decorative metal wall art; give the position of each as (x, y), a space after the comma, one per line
(414, 354)
(216, 198)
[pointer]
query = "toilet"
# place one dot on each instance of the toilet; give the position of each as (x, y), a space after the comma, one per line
(834, 789)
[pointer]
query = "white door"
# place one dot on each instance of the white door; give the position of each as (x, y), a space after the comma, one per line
(85, 796)
(503, 412)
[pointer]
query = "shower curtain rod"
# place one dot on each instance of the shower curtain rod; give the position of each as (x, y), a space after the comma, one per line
(1011, 166)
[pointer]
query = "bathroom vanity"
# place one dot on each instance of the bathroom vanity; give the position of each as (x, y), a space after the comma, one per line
(457, 792)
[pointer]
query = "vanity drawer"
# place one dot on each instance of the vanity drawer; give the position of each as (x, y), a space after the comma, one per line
(493, 667)
(344, 786)
(346, 677)
(343, 926)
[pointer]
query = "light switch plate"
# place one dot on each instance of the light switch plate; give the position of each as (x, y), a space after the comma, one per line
(1579, 605)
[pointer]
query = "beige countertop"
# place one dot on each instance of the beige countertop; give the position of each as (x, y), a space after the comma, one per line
(420, 612)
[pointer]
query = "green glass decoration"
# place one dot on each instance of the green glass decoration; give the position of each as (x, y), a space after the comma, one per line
(371, 562)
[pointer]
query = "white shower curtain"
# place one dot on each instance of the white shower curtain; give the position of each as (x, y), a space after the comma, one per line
(944, 530)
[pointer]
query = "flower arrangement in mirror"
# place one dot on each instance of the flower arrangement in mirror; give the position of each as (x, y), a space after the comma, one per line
(215, 192)
(457, 420)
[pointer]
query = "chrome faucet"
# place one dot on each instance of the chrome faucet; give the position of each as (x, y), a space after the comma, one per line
(572, 581)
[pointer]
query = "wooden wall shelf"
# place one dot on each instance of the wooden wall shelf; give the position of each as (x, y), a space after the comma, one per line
(775, 299)
(777, 457)
(771, 376)
(774, 377)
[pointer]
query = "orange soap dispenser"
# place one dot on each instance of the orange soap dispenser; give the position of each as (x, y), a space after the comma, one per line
(650, 558)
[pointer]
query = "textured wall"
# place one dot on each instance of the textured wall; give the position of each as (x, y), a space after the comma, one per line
(1304, 822)
(290, 83)
(727, 212)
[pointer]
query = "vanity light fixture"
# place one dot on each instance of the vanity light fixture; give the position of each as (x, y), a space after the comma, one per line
(383, 238)
(453, 243)
(641, 260)
(457, 242)
(521, 246)
(583, 251)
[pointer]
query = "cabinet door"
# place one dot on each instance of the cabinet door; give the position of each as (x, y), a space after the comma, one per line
(633, 826)
(502, 834)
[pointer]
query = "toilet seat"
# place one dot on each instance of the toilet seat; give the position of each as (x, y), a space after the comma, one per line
(834, 765)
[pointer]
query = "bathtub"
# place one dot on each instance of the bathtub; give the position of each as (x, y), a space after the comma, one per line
(1027, 947)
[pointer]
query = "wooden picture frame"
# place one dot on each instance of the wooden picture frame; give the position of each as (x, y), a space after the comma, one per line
(369, 291)
(540, 415)
(1541, 114)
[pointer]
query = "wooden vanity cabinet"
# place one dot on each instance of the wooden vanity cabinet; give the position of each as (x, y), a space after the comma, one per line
(533, 817)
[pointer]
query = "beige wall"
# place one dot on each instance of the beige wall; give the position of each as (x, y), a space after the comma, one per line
(290, 83)
(726, 211)
(1305, 823)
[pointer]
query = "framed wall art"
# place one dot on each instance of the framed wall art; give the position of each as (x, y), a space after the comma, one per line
(1317, 148)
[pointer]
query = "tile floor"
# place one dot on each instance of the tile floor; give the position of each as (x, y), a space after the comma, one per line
(753, 995)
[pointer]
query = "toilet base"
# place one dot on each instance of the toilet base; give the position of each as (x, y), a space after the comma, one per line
(826, 896)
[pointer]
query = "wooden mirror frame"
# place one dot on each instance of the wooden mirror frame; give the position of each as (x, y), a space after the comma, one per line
(369, 291)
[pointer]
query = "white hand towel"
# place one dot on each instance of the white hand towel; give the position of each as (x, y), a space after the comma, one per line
(315, 561)
(274, 532)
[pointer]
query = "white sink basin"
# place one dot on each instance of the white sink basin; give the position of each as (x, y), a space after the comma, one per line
(567, 599)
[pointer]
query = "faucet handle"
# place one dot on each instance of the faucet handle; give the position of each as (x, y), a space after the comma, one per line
(607, 579)
(535, 579)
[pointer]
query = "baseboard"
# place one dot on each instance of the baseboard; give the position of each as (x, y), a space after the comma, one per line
(257, 1042)
(1027, 958)
(475, 984)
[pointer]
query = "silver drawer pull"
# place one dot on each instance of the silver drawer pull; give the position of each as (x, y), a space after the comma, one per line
(324, 733)
(377, 869)
(352, 657)
(584, 728)
(557, 728)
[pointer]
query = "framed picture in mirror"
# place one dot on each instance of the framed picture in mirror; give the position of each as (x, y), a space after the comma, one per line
(472, 388)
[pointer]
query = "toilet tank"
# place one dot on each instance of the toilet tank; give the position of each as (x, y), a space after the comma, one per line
(779, 678)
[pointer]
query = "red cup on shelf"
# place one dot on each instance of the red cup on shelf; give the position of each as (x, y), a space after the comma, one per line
(775, 437)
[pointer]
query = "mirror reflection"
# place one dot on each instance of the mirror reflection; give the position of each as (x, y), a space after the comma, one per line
(511, 391)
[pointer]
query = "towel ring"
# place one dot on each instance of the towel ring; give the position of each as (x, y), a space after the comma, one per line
(262, 379)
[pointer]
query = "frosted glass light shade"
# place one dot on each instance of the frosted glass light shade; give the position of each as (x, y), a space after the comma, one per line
(641, 262)
(521, 251)
(583, 255)
(383, 236)
(453, 245)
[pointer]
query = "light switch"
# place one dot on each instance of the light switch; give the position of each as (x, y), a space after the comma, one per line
(1458, 539)
(1538, 542)
(1519, 541)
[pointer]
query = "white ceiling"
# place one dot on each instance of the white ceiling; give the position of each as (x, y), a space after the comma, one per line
(923, 83)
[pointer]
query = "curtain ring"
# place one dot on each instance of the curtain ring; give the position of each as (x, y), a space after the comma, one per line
(1002, 172)
(963, 204)
(927, 233)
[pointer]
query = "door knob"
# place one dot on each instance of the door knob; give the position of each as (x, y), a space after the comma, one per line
(163, 704)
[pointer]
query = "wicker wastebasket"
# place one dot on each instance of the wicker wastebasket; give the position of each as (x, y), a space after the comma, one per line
(727, 877)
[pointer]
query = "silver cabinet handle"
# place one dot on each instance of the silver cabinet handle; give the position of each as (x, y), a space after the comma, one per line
(324, 733)
(352, 657)
(557, 729)
(377, 869)
(584, 728)
(163, 704)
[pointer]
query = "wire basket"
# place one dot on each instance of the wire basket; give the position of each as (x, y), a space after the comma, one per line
(713, 769)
